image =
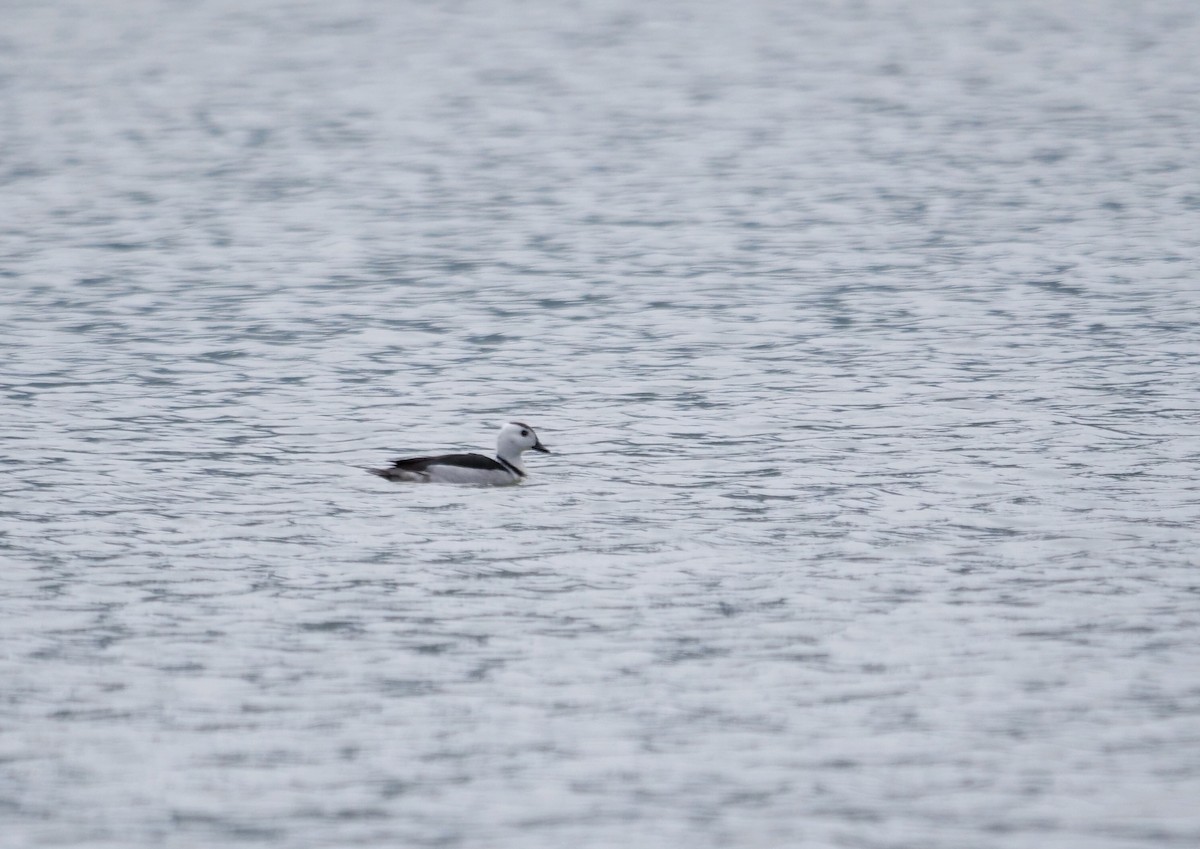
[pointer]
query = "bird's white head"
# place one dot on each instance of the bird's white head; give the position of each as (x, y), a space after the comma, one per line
(516, 437)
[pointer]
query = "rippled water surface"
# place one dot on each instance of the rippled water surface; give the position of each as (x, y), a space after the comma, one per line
(866, 336)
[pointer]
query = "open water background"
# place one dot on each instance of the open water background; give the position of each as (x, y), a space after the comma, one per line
(867, 336)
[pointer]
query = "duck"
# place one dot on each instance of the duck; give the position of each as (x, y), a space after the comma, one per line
(514, 439)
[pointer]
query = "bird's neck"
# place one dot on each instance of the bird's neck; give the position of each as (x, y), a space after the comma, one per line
(512, 461)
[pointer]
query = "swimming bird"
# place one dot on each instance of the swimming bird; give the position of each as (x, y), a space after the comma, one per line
(514, 439)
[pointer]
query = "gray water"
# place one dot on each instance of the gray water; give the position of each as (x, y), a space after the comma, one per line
(866, 336)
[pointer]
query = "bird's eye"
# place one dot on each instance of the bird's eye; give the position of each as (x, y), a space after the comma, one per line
(524, 433)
